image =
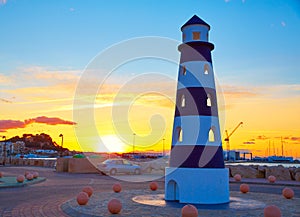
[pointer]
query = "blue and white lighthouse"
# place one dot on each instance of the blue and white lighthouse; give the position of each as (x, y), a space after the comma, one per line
(196, 173)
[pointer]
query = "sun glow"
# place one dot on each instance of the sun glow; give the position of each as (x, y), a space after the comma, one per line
(113, 143)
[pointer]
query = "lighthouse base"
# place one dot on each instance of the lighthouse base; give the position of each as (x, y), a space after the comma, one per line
(197, 185)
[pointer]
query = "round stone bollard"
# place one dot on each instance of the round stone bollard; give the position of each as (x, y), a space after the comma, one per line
(29, 177)
(1, 174)
(89, 190)
(20, 178)
(272, 179)
(237, 177)
(153, 186)
(272, 211)
(114, 206)
(82, 198)
(35, 175)
(189, 211)
(244, 188)
(288, 193)
(117, 188)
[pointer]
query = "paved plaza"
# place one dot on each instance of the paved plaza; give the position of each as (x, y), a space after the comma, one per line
(56, 196)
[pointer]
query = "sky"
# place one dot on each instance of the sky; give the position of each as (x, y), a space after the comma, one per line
(48, 50)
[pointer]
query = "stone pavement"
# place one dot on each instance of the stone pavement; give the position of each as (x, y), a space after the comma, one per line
(51, 197)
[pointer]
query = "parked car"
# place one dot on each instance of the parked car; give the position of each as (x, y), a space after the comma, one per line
(114, 166)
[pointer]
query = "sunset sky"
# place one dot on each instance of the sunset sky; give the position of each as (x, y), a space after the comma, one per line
(48, 50)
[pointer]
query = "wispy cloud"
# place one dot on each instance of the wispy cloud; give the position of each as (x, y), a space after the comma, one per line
(239, 91)
(11, 124)
(5, 100)
(15, 124)
(2, 2)
(283, 24)
(49, 121)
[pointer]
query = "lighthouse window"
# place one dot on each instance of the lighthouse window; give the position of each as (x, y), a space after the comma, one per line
(183, 36)
(208, 100)
(179, 134)
(206, 69)
(196, 35)
(182, 101)
(183, 70)
(211, 135)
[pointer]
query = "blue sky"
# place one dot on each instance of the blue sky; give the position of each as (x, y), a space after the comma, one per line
(252, 37)
(46, 45)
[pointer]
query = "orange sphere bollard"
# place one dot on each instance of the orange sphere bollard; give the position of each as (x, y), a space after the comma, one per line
(114, 206)
(153, 186)
(82, 198)
(272, 211)
(20, 178)
(189, 211)
(117, 188)
(89, 190)
(272, 179)
(237, 177)
(244, 188)
(26, 173)
(35, 175)
(29, 177)
(1, 174)
(288, 193)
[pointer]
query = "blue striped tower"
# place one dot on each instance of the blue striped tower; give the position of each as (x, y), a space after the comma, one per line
(196, 173)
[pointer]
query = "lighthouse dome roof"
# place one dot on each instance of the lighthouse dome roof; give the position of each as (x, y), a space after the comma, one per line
(195, 20)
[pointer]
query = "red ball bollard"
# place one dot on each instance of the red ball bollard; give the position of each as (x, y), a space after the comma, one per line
(244, 188)
(272, 179)
(153, 186)
(189, 211)
(29, 177)
(89, 190)
(117, 188)
(272, 211)
(237, 177)
(288, 193)
(114, 206)
(20, 178)
(82, 198)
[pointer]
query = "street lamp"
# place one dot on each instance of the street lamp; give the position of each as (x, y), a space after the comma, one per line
(163, 146)
(4, 150)
(62, 142)
(133, 143)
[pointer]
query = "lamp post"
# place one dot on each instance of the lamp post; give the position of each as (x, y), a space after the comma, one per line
(133, 143)
(4, 150)
(163, 147)
(62, 143)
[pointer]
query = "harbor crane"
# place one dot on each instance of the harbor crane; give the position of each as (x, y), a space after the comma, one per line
(230, 134)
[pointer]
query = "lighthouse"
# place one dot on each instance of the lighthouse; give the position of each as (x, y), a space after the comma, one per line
(196, 172)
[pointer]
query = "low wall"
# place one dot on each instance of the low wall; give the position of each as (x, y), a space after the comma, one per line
(29, 162)
(255, 171)
(77, 165)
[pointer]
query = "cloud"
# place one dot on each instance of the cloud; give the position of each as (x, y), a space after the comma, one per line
(72, 9)
(15, 124)
(5, 100)
(11, 124)
(262, 137)
(249, 142)
(283, 24)
(49, 121)
(2, 2)
(238, 91)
